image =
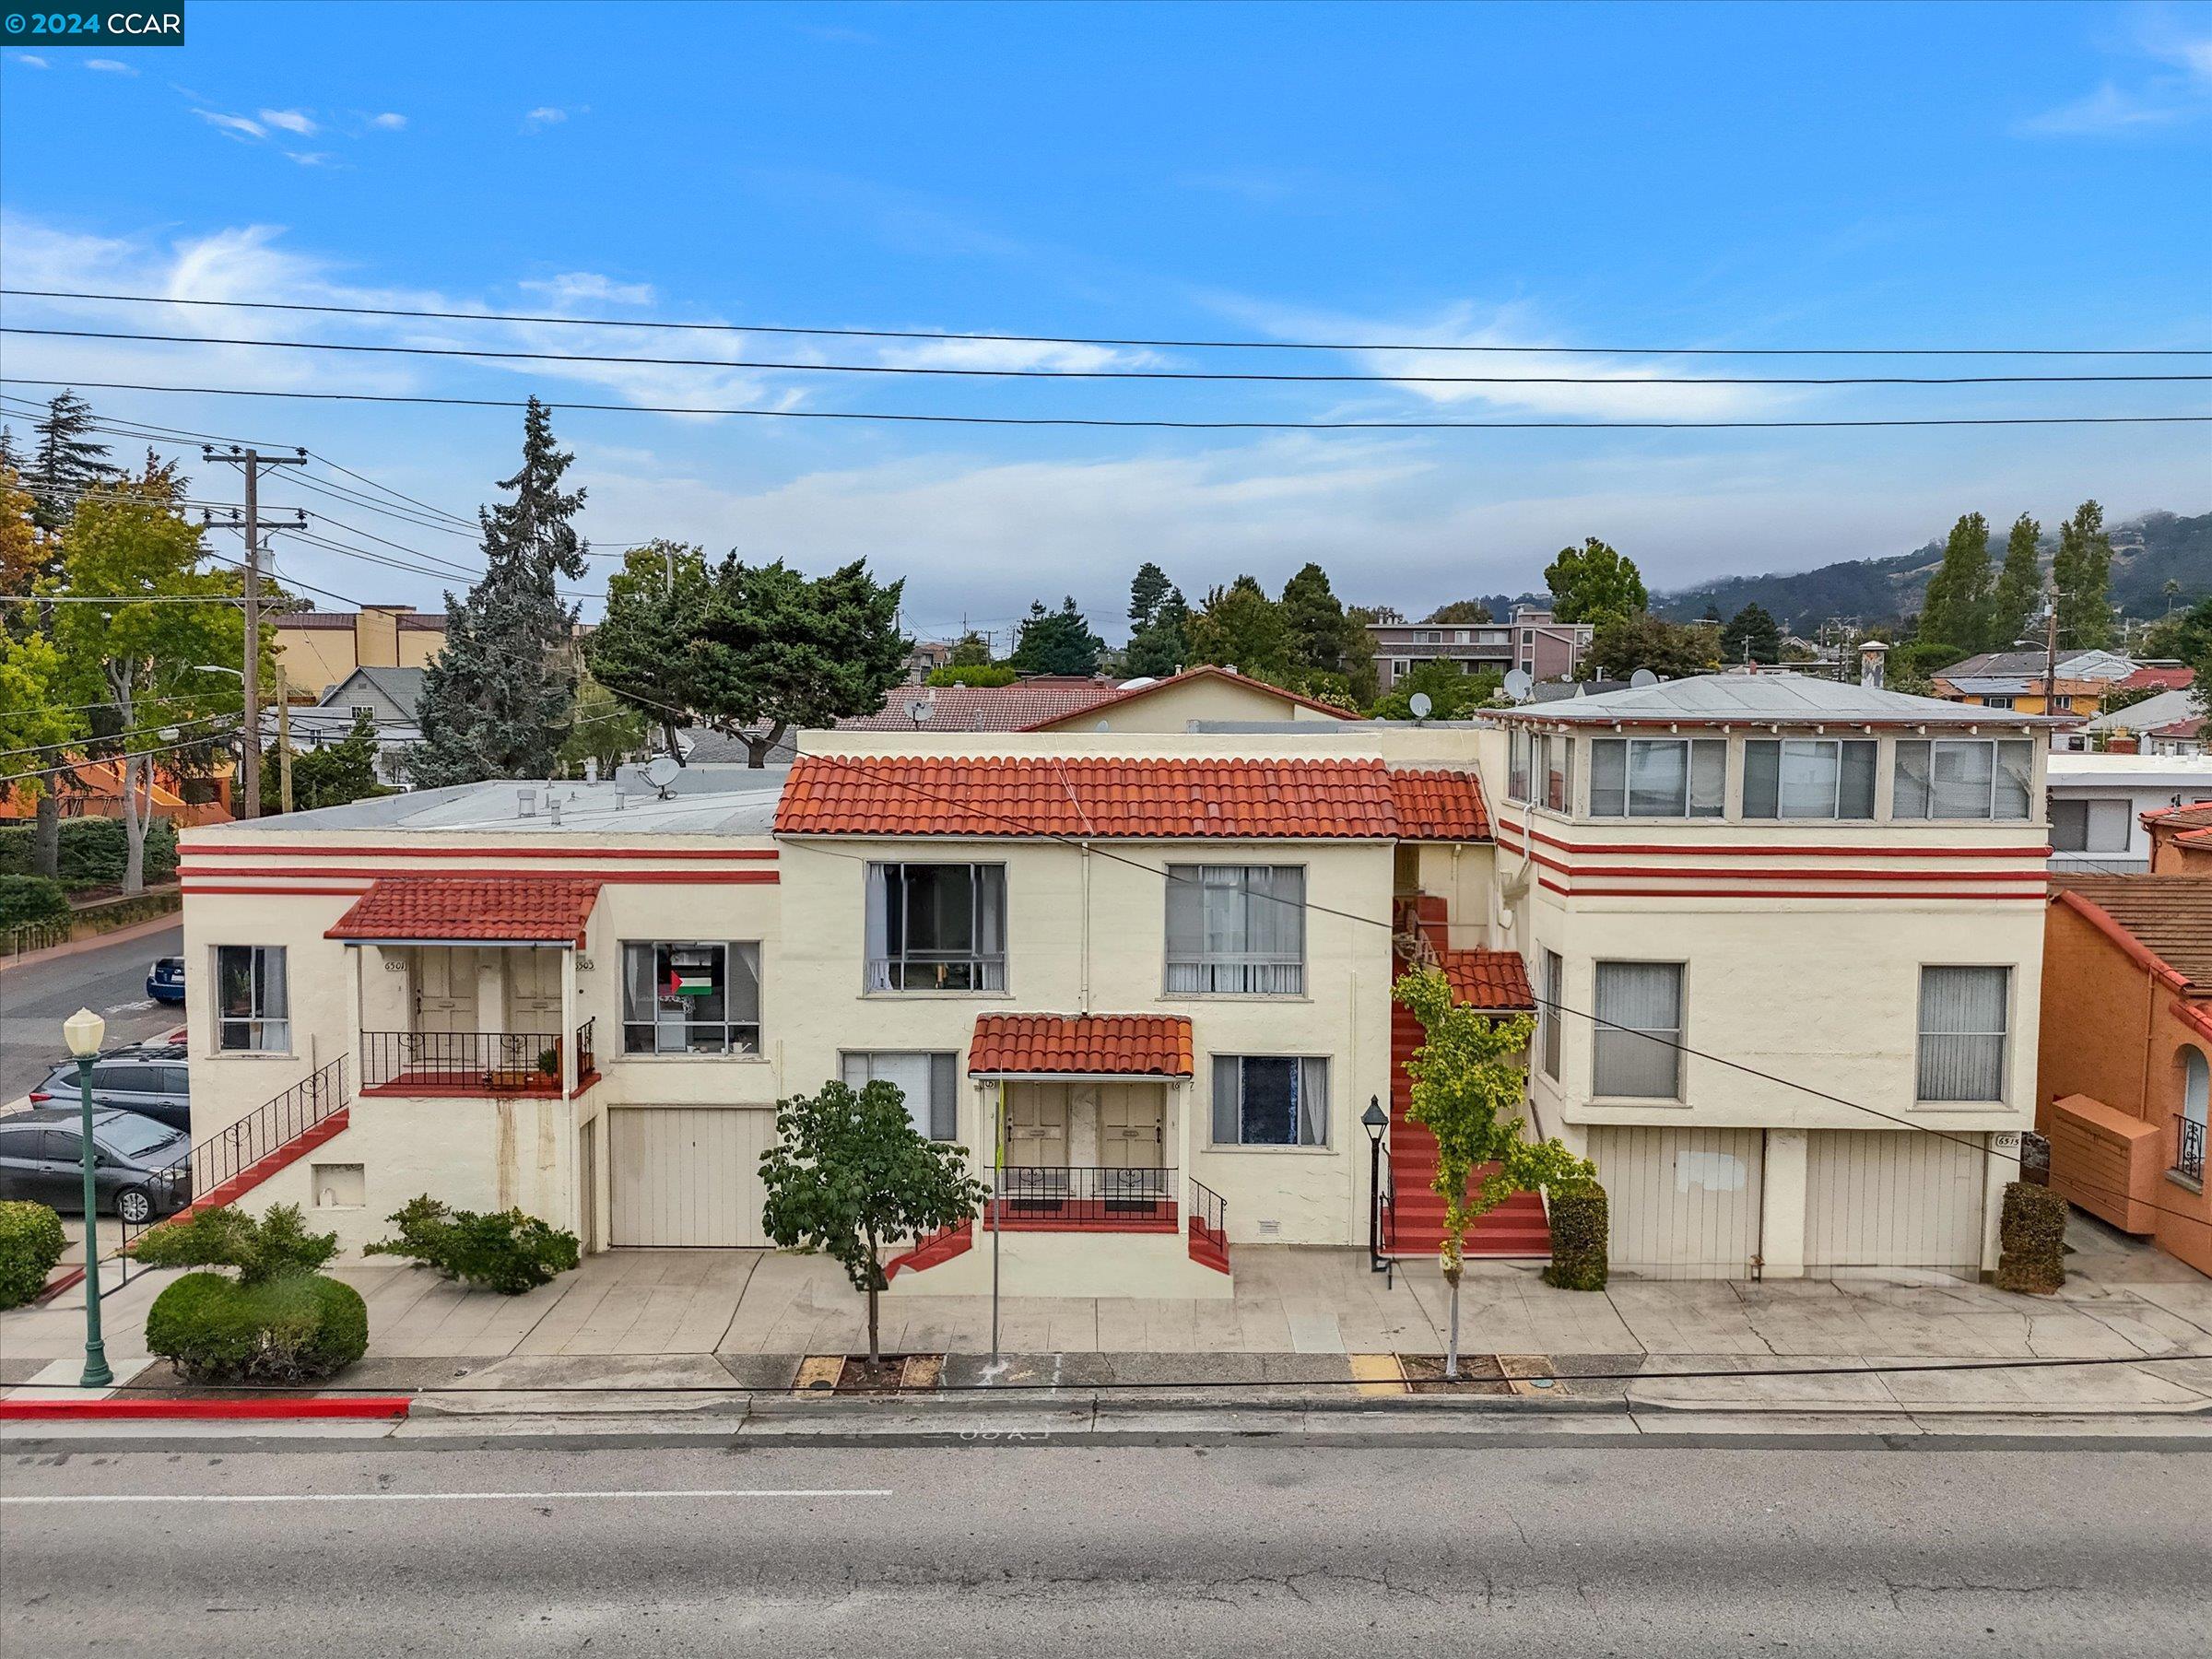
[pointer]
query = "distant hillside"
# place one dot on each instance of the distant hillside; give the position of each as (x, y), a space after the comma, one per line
(2147, 553)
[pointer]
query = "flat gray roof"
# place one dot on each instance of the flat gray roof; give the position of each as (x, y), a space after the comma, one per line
(1783, 697)
(719, 800)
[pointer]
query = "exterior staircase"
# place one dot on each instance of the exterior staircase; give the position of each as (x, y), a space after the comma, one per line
(1414, 1224)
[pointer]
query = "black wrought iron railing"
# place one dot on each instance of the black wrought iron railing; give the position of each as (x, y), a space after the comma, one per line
(233, 1150)
(587, 1052)
(2189, 1148)
(1081, 1195)
(1209, 1212)
(462, 1062)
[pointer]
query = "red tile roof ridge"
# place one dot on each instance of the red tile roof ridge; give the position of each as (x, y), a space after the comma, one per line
(1204, 670)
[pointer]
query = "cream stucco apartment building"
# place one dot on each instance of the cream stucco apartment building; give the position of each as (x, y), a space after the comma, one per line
(1789, 933)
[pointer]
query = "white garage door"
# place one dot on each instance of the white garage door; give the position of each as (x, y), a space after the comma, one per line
(1683, 1203)
(1893, 1198)
(686, 1174)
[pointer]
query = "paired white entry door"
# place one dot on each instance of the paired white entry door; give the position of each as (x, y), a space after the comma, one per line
(1129, 1122)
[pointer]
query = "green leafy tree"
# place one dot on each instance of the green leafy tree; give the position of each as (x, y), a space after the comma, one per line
(1314, 616)
(38, 718)
(1956, 607)
(1620, 646)
(1460, 610)
(2181, 637)
(850, 1172)
(1149, 590)
(1362, 678)
(777, 649)
(1593, 583)
(1752, 636)
(972, 650)
(1453, 694)
(605, 729)
(2020, 584)
(1913, 667)
(1470, 1077)
(326, 777)
(1159, 648)
(977, 674)
(1056, 641)
(643, 649)
(1241, 628)
(497, 701)
(2081, 576)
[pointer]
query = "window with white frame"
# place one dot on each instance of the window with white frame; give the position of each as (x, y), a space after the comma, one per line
(1810, 777)
(1236, 930)
(1962, 778)
(1638, 1031)
(937, 927)
(1271, 1101)
(1658, 777)
(253, 1007)
(930, 1083)
(1963, 1014)
(691, 997)
(1554, 980)
(2090, 826)
(1551, 771)
(1516, 770)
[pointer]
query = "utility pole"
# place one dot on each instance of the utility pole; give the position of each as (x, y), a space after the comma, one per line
(284, 744)
(248, 795)
(2050, 655)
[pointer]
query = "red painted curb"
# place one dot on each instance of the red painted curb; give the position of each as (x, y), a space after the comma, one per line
(55, 1287)
(367, 1406)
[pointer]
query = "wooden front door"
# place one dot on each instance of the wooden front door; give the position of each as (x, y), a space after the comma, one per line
(445, 988)
(1130, 1120)
(534, 989)
(1037, 1125)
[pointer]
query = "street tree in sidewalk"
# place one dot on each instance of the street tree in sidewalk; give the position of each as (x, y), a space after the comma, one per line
(850, 1172)
(1470, 1077)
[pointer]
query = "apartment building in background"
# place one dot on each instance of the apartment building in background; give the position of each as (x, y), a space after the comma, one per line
(1528, 639)
(320, 649)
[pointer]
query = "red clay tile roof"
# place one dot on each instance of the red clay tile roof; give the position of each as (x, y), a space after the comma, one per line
(1205, 671)
(1015, 708)
(2192, 814)
(1489, 979)
(1440, 805)
(1118, 1045)
(2160, 679)
(2193, 727)
(512, 909)
(2170, 916)
(1088, 797)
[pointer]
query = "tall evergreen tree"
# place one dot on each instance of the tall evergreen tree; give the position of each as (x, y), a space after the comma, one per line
(642, 651)
(64, 459)
(1056, 641)
(1957, 609)
(1752, 636)
(2020, 584)
(2081, 574)
(1241, 628)
(1316, 620)
(1159, 648)
(1362, 679)
(497, 701)
(1147, 592)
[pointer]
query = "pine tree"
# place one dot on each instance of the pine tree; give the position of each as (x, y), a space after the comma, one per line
(2020, 584)
(1316, 619)
(1159, 648)
(1056, 641)
(1147, 592)
(64, 459)
(1752, 636)
(1956, 610)
(497, 701)
(2080, 574)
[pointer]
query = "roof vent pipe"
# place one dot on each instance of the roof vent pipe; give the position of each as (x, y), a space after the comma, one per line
(525, 803)
(1870, 657)
(591, 769)
(553, 811)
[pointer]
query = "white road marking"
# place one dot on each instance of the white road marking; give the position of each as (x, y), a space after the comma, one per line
(444, 1497)
(139, 1007)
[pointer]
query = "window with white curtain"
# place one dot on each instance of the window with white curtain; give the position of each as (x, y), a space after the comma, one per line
(937, 927)
(930, 1082)
(1516, 774)
(1271, 1101)
(1554, 980)
(252, 1000)
(1658, 777)
(1639, 1031)
(1963, 1014)
(1962, 778)
(1808, 778)
(1236, 930)
(691, 997)
(2090, 826)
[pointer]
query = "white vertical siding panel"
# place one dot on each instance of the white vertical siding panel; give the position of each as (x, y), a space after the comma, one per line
(1893, 1198)
(1684, 1203)
(686, 1175)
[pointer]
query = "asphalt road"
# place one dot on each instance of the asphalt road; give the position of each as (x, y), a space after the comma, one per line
(1036, 1551)
(109, 979)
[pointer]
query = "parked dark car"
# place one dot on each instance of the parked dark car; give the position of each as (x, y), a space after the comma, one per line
(165, 980)
(149, 1079)
(136, 1177)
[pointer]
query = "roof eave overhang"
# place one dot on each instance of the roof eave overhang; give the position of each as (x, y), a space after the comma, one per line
(1078, 1077)
(576, 943)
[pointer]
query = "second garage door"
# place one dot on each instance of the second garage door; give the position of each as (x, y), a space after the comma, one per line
(686, 1175)
(1893, 1198)
(1683, 1202)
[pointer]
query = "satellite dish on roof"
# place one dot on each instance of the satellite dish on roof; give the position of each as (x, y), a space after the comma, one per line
(1519, 683)
(661, 771)
(1642, 678)
(919, 708)
(1420, 705)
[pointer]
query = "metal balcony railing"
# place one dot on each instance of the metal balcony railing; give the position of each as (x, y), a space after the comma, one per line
(2189, 1148)
(461, 1063)
(1082, 1195)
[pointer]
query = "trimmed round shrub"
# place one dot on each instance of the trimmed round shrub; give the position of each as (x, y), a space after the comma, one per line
(31, 1243)
(1579, 1223)
(300, 1327)
(2031, 1235)
(27, 898)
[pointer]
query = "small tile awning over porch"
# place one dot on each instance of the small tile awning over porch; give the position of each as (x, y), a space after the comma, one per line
(1081, 1046)
(451, 910)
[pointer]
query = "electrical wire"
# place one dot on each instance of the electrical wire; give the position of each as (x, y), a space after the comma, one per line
(1030, 339)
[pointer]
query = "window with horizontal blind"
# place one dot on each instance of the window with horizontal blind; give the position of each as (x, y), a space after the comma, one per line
(1658, 777)
(1810, 777)
(1637, 1032)
(1271, 1101)
(1963, 1015)
(1962, 778)
(1236, 930)
(930, 1083)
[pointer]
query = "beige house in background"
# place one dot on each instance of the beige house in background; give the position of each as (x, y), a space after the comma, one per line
(319, 649)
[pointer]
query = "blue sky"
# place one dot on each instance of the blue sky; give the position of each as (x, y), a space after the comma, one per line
(1591, 175)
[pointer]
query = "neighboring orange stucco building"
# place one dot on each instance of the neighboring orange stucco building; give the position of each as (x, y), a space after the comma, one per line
(2127, 1054)
(2181, 840)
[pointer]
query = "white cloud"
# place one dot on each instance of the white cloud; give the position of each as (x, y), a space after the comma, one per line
(233, 126)
(545, 115)
(573, 287)
(388, 122)
(109, 66)
(2107, 109)
(2172, 90)
(311, 157)
(292, 121)
(29, 60)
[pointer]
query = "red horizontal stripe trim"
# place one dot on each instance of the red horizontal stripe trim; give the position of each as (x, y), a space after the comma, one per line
(1642, 892)
(1506, 827)
(349, 892)
(374, 1406)
(612, 877)
(197, 850)
(1687, 872)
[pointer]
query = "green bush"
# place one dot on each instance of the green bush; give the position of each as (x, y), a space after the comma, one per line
(25, 899)
(2032, 1232)
(31, 1243)
(1579, 1223)
(92, 850)
(296, 1327)
(506, 1250)
(277, 1245)
(973, 674)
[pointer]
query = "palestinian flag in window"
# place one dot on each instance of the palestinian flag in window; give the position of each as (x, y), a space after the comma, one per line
(689, 974)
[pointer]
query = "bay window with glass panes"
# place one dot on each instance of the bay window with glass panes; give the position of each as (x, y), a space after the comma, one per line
(1658, 777)
(1810, 777)
(1963, 778)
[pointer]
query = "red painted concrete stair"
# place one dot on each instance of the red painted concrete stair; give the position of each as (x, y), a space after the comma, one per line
(261, 1169)
(937, 1247)
(1209, 1246)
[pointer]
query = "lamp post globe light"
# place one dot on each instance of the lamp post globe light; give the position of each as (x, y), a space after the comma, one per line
(1374, 1121)
(83, 1031)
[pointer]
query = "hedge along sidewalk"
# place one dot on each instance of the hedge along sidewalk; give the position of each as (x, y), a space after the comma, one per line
(121, 935)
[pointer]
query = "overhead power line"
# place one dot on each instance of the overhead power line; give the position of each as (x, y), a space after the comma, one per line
(1151, 425)
(490, 354)
(1199, 345)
